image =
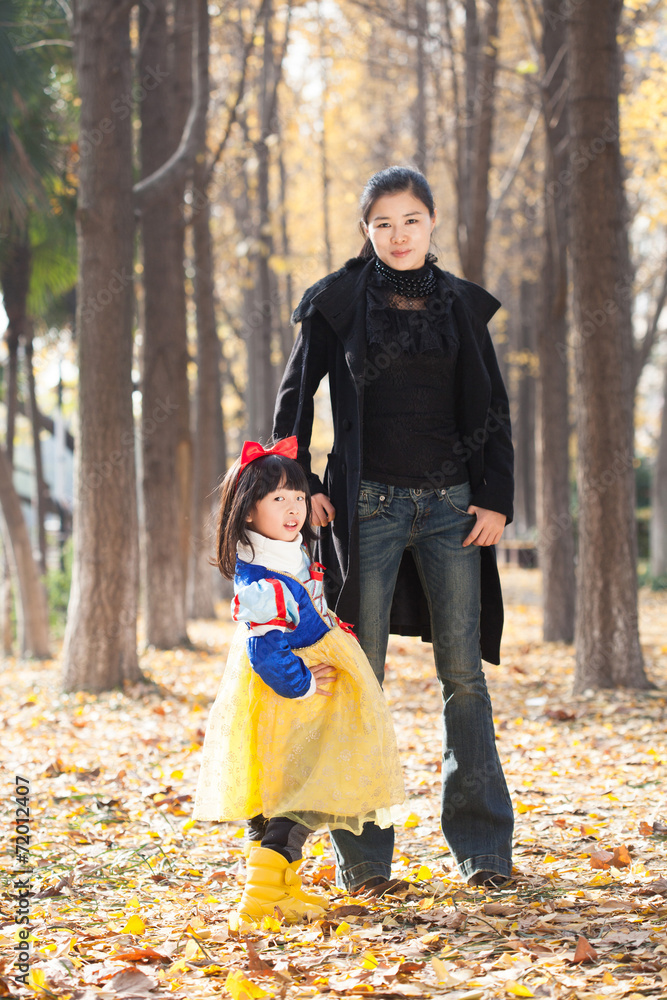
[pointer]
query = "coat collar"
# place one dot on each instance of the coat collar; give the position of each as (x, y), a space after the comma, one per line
(338, 296)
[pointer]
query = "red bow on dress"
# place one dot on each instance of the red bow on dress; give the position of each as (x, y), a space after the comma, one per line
(253, 449)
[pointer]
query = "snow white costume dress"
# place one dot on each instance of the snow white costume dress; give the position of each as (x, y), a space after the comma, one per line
(273, 746)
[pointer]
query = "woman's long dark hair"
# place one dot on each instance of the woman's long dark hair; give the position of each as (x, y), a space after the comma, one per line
(391, 180)
(240, 493)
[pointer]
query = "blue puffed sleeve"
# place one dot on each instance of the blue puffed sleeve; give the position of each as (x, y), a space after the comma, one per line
(279, 666)
(261, 604)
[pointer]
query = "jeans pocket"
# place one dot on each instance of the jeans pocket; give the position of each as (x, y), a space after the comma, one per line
(370, 503)
(458, 498)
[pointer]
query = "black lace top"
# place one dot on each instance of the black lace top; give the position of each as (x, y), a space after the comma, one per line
(410, 435)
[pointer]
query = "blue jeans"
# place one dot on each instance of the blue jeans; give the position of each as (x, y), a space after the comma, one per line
(477, 818)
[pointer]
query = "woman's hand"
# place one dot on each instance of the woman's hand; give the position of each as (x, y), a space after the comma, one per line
(324, 674)
(323, 510)
(488, 527)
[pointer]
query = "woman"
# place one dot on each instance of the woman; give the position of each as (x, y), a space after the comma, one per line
(417, 490)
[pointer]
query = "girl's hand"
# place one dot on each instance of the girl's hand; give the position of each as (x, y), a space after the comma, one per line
(488, 527)
(323, 510)
(324, 674)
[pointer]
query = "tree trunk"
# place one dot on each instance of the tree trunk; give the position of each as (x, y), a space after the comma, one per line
(262, 324)
(556, 536)
(100, 647)
(659, 499)
(421, 27)
(41, 491)
(608, 653)
(523, 418)
(15, 284)
(33, 616)
(207, 471)
(324, 159)
(473, 137)
(165, 446)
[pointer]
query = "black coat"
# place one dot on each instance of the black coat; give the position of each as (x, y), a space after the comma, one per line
(332, 341)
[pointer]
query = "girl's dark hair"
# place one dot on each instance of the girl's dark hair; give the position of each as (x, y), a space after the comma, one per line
(391, 180)
(239, 494)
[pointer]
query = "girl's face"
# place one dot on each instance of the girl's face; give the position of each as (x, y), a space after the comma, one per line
(399, 227)
(279, 515)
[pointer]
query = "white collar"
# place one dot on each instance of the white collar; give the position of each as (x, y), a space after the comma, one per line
(283, 557)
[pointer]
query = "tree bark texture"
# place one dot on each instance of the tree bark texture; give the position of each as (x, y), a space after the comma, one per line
(41, 492)
(608, 653)
(32, 613)
(659, 499)
(165, 407)
(207, 471)
(523, 419)
(556, 523)
(100, 647)
(474, 137)
(15, 283)
(421, 28)
(260, 324)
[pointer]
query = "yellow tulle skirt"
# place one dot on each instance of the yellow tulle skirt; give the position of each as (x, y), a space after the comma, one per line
(319, 761)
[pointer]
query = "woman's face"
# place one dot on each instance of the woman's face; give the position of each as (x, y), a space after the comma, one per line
(399, 227)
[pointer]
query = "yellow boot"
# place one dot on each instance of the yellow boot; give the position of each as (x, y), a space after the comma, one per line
(272, 882)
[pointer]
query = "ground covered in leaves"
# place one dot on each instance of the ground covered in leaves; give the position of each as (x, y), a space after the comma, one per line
(130, 897)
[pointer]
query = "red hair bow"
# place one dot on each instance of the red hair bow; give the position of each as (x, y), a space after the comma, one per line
(253, 449)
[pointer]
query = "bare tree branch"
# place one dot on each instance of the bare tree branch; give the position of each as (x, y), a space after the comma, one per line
(643, 350)
(45, 41)
(152, 186)
(239, 93)
(515, 161)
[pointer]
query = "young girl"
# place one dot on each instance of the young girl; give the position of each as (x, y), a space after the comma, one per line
(299, 735)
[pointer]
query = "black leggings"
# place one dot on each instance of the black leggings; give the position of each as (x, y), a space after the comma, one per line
(278, 834)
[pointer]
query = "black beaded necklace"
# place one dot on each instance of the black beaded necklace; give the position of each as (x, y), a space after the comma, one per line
(413, 284)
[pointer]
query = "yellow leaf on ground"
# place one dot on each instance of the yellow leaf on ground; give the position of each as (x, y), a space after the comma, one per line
(188, 825)
(134, 925)
(342, 928)
(424, 873)
(370, 961)
(241, 988)
(192, 949)
(517, 989)
(411, 821)
(270, 924)
(443, 974)
(37, 979)
(317, 850)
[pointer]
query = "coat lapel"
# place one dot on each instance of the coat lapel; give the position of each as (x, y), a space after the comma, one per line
(343, 305)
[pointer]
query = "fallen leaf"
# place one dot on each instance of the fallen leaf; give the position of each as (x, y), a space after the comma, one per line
(518, 989)
(134, 925)
(132, 981)
(621, 858)
(141, 955)
(601, 859)
(241, 988)
(584, 952)
(501, 910)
